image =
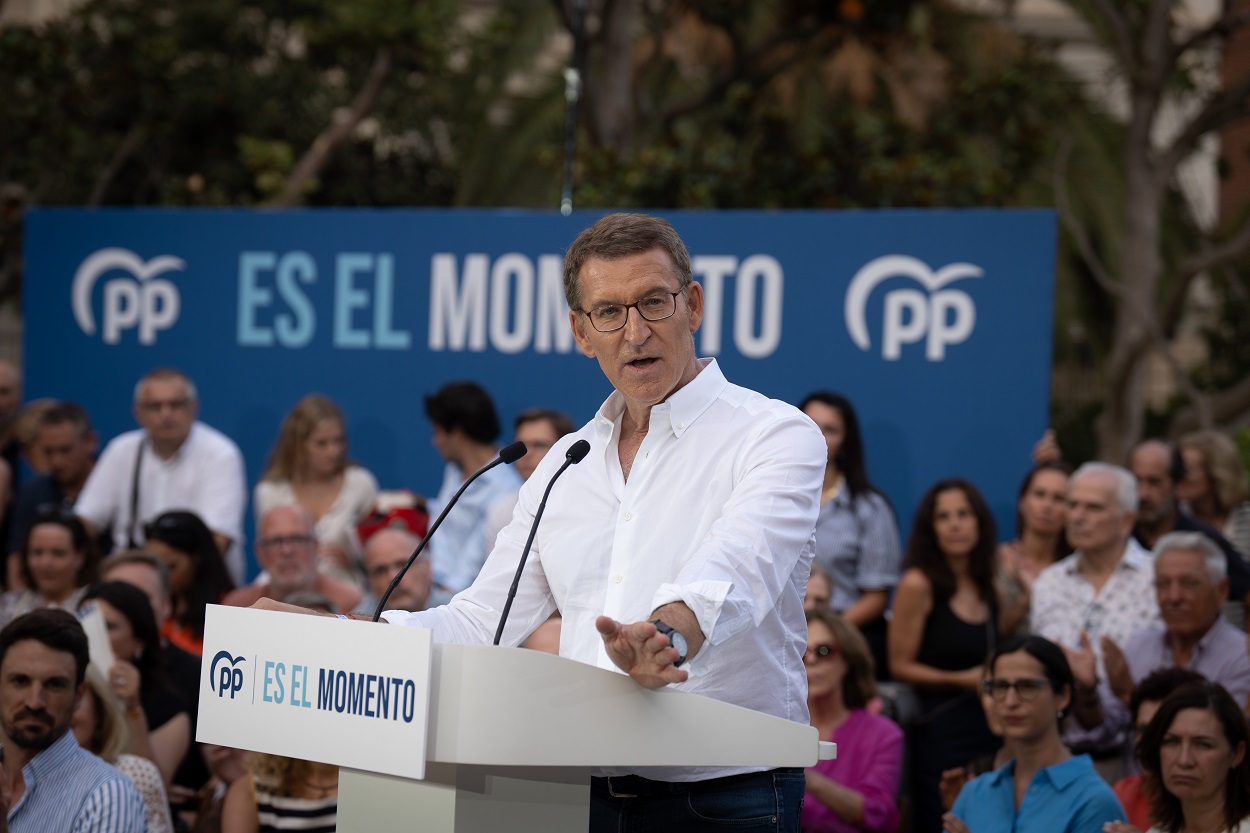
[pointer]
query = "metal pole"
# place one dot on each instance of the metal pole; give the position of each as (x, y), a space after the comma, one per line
(572, 94)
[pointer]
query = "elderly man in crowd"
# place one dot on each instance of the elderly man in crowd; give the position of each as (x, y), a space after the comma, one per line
(1191, 586)
(173, 461)
(386, 552)
(286, 549)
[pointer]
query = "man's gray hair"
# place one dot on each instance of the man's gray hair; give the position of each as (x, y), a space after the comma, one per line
(1125, 483)
(1217, 563)
(165, 374)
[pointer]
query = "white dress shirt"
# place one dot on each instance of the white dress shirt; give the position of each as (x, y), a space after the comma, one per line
(718, 512)
(205, 476)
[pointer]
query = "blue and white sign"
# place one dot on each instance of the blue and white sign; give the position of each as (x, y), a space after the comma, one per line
(937, 324)
(301, 686)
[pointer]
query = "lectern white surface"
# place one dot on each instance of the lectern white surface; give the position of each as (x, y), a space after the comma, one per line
(315, 688)
(512, 734)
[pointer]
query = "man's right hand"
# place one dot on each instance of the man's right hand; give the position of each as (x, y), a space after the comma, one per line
(1083, 662)
(641, 651)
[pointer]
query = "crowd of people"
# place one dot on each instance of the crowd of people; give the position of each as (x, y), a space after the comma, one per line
(1086, 671)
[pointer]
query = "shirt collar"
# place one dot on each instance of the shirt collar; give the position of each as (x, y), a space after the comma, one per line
(681, 409)
(50, 759)
(1059, 775)
(1135, 558)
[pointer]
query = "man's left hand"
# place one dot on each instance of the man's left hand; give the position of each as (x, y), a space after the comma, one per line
(1118, 675)
(641, 651)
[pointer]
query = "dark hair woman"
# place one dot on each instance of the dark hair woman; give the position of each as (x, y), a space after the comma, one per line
(943, 628)
(58, 561)
(856, 533)
(1030, 685)
(197, 574)
(1041, 512)
(160, 726)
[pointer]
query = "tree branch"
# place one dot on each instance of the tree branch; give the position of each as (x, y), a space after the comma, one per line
(128, 145)
(1210, 258)
(335, 134)
(1222, 28)
(1121, 40)
(1084, 247)
(1219, 110)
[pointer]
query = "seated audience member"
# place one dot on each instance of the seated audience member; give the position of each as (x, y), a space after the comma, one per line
(856, 532)
(181, 463)
(1043, 788)
(386, 553)
(1214, 488)
(309, 467)
(1148, 695)
(287, 551)
(68, 444)
(1104, 589)
(539, 429)
(1194, 755)
(1191, 587)
(1158, 467)
(857, 791)
(953, 780)
(197, 574)
(1041, 512)
(465, 427)
(58, 561)
(158, 720)
(148, 572)
(819, 589)
(100, 727)
(280, 793)
(51, 782)
(943, 628)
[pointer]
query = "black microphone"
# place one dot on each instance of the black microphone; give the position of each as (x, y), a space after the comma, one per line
(576, 453)
(510, 454)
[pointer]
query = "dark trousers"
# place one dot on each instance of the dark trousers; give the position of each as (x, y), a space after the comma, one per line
(763, 802)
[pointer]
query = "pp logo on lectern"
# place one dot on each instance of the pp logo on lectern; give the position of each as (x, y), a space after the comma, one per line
(940, 317)
(227, 679)
(140, 300)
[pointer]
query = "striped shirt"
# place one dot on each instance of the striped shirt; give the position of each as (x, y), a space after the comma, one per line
(69, 789)
(279, 813)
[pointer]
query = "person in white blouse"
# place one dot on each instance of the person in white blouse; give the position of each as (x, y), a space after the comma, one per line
(678, 550)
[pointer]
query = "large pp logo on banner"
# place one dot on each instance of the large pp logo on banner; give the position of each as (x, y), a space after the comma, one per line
(140, 301)
(940, 317)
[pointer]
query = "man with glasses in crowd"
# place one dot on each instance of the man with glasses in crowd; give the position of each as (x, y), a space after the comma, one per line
(386, 552)
(678, 550)
(286, 549)
(172, 462)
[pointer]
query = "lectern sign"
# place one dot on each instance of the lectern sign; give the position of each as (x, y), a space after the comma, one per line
(316, 688)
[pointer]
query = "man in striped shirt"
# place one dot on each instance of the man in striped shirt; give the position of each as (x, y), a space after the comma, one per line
(48, 781)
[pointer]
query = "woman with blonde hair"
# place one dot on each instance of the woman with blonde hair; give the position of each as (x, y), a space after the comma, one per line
(282, 794)
(857, 791)
(1214, 485)
(99, 725)
(309, 467)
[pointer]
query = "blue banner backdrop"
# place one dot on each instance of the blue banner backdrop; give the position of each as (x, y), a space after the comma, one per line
(937, 324)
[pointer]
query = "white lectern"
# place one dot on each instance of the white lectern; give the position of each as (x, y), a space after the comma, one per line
(459, 737)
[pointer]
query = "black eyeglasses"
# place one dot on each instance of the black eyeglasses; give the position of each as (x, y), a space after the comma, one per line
(1026, 689)
(608, 318)
(280, 541)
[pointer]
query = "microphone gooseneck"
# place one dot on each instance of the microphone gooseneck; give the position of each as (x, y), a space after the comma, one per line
(576, 453)
(510, 454)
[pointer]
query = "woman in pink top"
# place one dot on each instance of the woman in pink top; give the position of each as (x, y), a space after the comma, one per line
(857, 791)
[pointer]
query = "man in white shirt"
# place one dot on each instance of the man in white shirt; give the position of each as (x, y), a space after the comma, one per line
(172, 462)
(1103, 591)
(693, 514)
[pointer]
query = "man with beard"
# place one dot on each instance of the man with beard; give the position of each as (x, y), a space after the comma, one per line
(49, 782)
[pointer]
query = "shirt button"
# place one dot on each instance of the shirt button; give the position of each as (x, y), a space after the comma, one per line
(627, 516)
(681, 425)
(618, 579)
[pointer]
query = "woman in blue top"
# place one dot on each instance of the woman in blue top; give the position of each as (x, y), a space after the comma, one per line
(1044, 788)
